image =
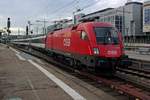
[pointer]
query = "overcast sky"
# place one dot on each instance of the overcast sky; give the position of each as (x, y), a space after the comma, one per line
(20, 11)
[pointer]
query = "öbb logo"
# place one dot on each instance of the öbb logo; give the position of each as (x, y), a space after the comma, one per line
(67, 42)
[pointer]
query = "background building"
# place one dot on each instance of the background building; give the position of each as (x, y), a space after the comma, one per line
(127, 19)
(146, 17)
(111, 15)
(146, 21)
(133, 21)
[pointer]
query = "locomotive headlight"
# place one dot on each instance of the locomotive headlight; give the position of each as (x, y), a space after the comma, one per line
(96, 51)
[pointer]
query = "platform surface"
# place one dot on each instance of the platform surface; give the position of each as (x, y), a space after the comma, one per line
(21, 79)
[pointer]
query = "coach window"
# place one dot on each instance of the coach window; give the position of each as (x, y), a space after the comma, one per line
(83, 35)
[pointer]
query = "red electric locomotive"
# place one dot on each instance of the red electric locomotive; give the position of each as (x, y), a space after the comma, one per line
(96, 45)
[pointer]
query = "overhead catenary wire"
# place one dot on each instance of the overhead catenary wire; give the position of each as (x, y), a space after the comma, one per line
(87, 6)
(63, 7)
(69, 4)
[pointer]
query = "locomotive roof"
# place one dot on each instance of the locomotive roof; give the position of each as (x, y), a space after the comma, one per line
(100, 24)
(97, 23)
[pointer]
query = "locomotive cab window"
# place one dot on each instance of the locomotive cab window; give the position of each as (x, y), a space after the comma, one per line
(106, 35)
(83, 35)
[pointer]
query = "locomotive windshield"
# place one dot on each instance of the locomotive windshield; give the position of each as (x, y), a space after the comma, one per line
(106, 35)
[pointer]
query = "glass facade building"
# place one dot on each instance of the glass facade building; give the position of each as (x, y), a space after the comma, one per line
(127, 19)
(116, 20)
(146, 17)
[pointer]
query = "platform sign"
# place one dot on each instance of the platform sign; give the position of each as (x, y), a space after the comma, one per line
(146, 18)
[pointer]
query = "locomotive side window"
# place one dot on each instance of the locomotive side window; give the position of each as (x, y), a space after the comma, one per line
(106, 35)
(83, 35)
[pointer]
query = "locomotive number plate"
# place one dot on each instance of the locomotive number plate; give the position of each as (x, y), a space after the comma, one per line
(111, 52)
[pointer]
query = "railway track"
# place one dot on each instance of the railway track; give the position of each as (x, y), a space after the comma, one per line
(138, 73)
(134, 72)
(122, 87)
(140, 65)
(140, 79)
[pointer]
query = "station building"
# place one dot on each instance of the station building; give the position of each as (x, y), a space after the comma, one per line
(127, 19)
(146, 17)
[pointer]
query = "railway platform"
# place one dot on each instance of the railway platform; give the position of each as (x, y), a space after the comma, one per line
(23, 77)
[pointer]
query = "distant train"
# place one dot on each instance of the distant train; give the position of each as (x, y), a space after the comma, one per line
(96, 45)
